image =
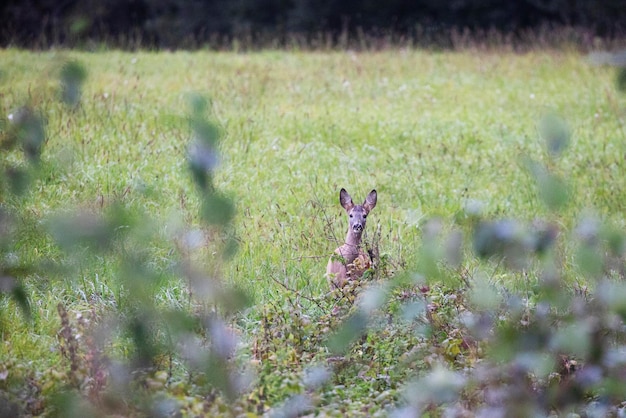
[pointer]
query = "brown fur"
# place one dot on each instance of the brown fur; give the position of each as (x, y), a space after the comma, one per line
(349, 261)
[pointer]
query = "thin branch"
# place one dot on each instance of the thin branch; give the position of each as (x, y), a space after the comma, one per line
(296, 292)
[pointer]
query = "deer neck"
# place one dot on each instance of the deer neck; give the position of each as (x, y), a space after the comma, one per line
(350, 250)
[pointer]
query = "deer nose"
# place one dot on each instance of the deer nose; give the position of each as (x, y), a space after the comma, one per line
(358, 227)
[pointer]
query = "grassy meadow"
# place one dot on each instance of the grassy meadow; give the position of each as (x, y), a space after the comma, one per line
(432, 132)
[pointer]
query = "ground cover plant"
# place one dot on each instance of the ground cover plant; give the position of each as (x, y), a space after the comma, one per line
(167, 219)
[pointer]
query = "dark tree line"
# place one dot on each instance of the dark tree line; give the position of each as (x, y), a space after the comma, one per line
(180, 23)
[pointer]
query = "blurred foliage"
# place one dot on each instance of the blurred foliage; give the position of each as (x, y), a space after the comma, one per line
(22, 136)
(621, 80)
(555, 350)
(150, 332)
(444, 338)
(73, 75)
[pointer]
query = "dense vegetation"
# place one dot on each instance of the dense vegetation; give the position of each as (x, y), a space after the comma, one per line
(250, 23)
(166, 220)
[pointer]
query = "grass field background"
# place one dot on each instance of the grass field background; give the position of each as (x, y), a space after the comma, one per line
(431, 131)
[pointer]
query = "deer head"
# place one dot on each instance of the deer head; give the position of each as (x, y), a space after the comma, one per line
(357, 214)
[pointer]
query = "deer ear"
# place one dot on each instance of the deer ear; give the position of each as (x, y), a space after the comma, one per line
(370, 201)
(345, 199)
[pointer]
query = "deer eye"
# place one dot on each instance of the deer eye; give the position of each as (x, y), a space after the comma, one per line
(364, 216)
(351, 215)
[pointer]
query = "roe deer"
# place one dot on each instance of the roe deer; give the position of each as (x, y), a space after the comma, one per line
(349, 261)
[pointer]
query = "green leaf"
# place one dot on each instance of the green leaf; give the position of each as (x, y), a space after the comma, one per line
(30, 132)
(590, 260)
(555, 133)
(217, 209)
(350, 330)
(199, 104)
(18, 293)
(73, 75)
(553, 191)
(82, 229)
(483, 295)
(621, 80)
(19, 180)
(574, 339)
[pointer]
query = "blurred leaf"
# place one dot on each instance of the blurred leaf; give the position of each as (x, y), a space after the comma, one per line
(621, 80)
(217, 371)
(413, 310)
(590, 260)
(180, 322)
(439, 386)
(73, 75)
(202, 285)
(431, 253)
(82, 229)
(7, 230)
(473, 207)
(505, 238)
(223, 338)
(19, 180)
(552, 189)
(217, 209)
(295, 406)
(528, 335)
(21, 297)
(617, 59)
(372, 298)
(121, 220)
(72, 405)
(540, 364)
(73, 72)
(616, 240)
(10, 286)
(484, 296)
(573, 339)
(428, 260)
(142, 330)
(543, 236)
(141, 277)
(350, 330)
(164, 407)
(234, 300)
(588, 230)
(80, 25)
(205, 131)
(7, 284)
(315, 376)
(453, 248)
(203, 157)
(489, 237)
(30, 132)
(231, 247)
(199, 104)
(613, 296)
(555, 132)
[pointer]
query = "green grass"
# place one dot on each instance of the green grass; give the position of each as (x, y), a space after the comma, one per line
(430, 131)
